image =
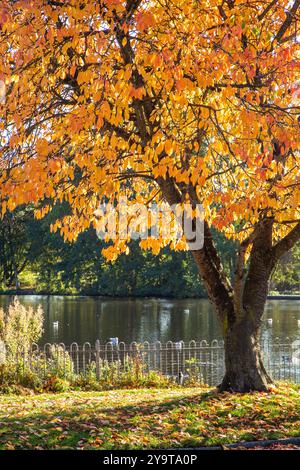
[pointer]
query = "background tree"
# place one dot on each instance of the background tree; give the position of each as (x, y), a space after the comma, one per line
(286, 277)
(186, 101)
(48, 264)
(15, 246)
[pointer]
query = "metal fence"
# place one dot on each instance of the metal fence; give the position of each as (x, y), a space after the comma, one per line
(178, 360)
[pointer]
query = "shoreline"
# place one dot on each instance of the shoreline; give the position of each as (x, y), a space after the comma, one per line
(107, 297)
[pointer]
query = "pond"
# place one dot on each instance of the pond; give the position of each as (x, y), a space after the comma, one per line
(81, 319)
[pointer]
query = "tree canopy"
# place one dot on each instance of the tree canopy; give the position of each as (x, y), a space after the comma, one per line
(189, 99)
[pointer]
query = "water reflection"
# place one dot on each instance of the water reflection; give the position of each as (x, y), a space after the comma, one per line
(81, 319)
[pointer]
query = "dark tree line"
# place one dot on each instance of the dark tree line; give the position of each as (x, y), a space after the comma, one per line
(32, 257)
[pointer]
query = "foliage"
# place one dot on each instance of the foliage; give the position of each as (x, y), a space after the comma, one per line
(13, 247)
(56, 384)
(102, 94)
(54, 372)
(17, 379)
(53, 265)
(58, 363)
(80, 268)
(59, 380)
(147, 418)
(114, 375)
(20, 327)
(193, 371)
(286, 277)
(53, 369)
(49, 374)
(131, 373)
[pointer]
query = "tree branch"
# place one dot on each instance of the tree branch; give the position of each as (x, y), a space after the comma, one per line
(287, 242)
(288, 21)
(206, 258)
(267, 9)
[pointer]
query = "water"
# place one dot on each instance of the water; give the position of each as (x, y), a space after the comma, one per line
(81, 319)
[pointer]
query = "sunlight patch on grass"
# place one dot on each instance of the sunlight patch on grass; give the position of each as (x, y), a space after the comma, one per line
(146, 418)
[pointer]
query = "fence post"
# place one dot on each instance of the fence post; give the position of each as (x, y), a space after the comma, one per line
(74, 350)
(97, 348)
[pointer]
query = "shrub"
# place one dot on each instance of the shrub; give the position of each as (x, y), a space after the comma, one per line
(87, 380)
(13, 376)
(194, 373)
(20, 327)
(58, 362)
(7, 375)
(56, 384)
(119, 374)
(30, 380)
(129, 373)
(14, 390)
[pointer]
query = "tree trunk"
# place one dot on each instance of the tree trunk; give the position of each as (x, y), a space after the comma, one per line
(240, 322)
(238, 305)
(244, 369)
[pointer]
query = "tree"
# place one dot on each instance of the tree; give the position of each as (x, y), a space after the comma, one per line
(22, 242)
(15, 246)
(187, 101)
(286, 278)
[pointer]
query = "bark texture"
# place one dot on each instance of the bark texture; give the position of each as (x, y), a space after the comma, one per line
(244, 367)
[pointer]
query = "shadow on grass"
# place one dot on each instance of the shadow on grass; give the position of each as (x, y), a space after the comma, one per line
(201, 419)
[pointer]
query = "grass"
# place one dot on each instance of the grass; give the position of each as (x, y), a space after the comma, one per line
(146, 418)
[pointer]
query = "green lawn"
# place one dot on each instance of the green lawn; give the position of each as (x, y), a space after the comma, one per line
(152, 418)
